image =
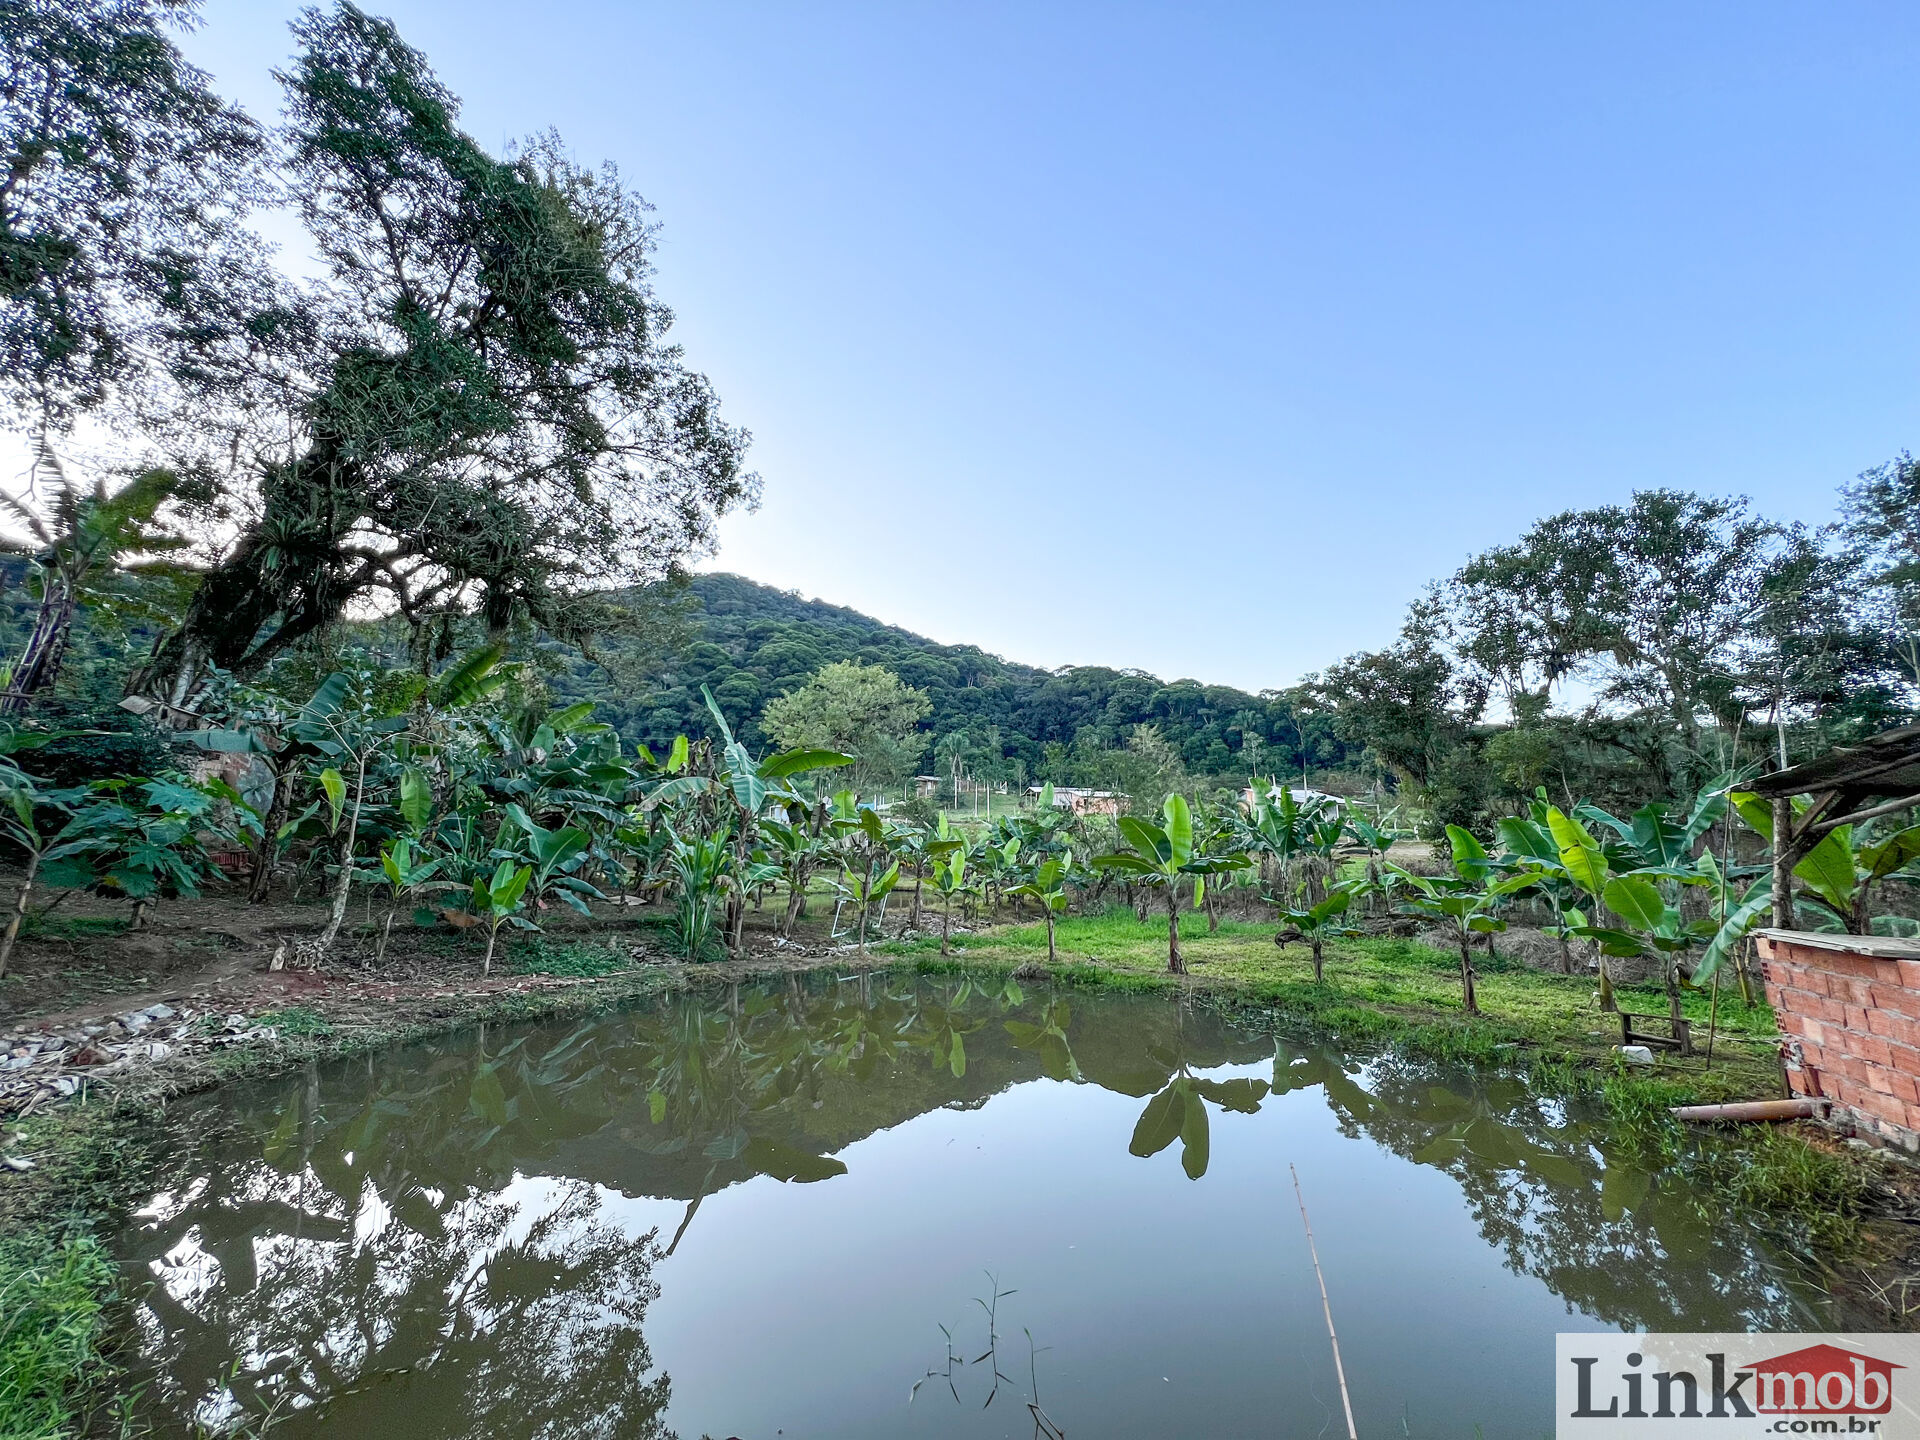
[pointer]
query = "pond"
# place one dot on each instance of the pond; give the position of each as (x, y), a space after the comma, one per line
(777, 1210)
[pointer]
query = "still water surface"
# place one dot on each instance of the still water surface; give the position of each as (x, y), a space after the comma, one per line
(750, 1213)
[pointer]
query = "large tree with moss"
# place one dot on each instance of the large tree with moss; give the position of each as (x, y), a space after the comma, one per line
(473, 408)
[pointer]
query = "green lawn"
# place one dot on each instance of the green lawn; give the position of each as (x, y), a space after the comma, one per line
(1395, 977)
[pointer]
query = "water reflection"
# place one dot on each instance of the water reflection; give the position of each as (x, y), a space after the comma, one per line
(437, 1241)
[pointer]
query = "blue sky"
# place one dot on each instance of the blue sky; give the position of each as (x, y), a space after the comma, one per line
(1199, 338)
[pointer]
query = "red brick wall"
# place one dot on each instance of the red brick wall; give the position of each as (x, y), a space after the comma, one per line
(1849, 1008)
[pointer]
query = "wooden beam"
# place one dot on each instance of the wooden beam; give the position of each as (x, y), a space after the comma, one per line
(1859, 817)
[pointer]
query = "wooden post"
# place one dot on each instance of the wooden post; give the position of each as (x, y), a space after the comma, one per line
(1783, 862)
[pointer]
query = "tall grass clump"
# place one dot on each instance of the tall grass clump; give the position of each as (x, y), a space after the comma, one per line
(51, 1298)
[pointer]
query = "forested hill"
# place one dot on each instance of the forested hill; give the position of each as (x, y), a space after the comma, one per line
(750, 642)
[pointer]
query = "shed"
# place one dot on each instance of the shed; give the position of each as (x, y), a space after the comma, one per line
(1847, 786)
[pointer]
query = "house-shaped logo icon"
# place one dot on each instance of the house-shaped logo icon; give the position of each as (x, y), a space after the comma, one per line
(1823, 1380)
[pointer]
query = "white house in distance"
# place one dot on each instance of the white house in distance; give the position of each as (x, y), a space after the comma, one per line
(1082, 802)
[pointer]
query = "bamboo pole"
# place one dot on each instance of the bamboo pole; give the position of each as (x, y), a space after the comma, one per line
(1314, 1251)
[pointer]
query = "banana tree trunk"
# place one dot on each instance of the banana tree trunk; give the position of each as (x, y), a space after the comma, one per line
(46, 648)
(19, 910)
(1176, 965)
(268, 855)
(1467, 974)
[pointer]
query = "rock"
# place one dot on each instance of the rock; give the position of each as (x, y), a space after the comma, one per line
(159, 1012)
(65, 1085)
(1634, 1054)
(135, 1022)
(159, 1050)
(16, 1162)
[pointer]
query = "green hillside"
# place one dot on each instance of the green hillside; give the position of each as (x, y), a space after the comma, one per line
(750, 642)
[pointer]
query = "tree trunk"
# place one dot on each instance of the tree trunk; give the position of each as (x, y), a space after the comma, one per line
(795, 894)
(1213, 914)
(19, 910)
(46, 647)
(1049, 935)
(1318, 978)
(1466, 975)
(919, 879)
(1175, 964)
(1783, 862)
(486, 960)
(268, 855)
(341, 888)
(946, 923)
(386, 933)
(1673, 1002)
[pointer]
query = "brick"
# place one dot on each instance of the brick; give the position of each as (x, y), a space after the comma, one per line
(1906, 1031)
(1880, 1080)
(1912, 1124)
(1894, 1000)
(1870, 1048)
(1883, 1107)
(1903, 1057)
(1857, 1021)
(1909, 973)
(1904, 1086)
(1880, 1022)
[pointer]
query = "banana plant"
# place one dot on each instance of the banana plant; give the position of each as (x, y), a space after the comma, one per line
(1842, 872)
(751, 785)
(950, 880)
(496, 901)
(1049, 887)
(406, 874)
(1317, 924)
(1530, 846)
(1165, 858)
(1464, 901)
(552, 858)
(1651, 926)
(1586, 866)
(28, 813)
(699, 867)
(868, 871)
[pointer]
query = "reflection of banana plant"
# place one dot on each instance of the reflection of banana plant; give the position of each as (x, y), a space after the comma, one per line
(1048, 1040)
(1049, 888)
(1179, 1112)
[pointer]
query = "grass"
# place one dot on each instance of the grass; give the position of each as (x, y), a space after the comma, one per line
(1395, 978)
(74, 927)
(51, 1301)
(539, 955)
(300, 1021)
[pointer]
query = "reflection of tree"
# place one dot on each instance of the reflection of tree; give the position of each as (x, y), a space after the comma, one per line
(294, 1287)
(428, 1223)
(1602, 1231)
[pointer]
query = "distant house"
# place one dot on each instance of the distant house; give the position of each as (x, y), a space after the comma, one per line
(926, 787)
(1082, 802)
